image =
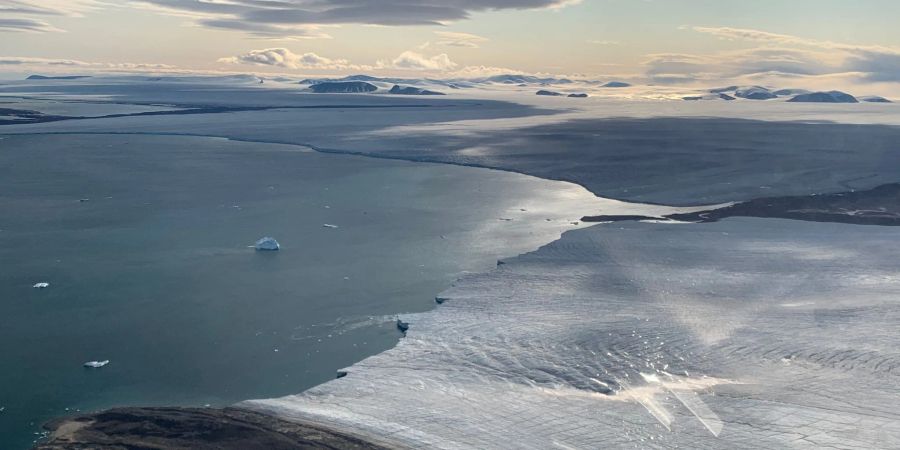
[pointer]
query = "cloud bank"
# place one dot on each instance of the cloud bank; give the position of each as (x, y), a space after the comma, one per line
(299, 18)
(776, 55)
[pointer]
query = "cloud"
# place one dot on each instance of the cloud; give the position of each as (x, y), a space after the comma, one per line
(603, 42)
(456, 39)
(786, 39)
(263, 30)
(285, 15)
(30, 62)
(414, 61)
(775, 56)
(29, 15)
(26, 25)
(282, 57)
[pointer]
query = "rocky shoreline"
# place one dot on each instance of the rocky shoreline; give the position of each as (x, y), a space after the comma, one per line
(192, 428)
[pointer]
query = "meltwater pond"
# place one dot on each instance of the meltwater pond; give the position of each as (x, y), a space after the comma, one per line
(146, 243)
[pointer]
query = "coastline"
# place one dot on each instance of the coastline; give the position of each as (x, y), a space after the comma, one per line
(716, 344)
(194, 428)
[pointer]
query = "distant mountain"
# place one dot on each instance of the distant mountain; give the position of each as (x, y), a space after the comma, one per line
(412, 90)
(754, 93)
(343, 87)
(365, 78)
(579, 95)
(723, 89)
(781, 92)
(522, 79)
(616, 84)
(550, 93)
(64, 77)
(825, 97)
(714, 96)
(874, 99)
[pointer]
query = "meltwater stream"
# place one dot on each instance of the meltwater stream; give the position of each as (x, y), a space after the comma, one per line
(143, 241)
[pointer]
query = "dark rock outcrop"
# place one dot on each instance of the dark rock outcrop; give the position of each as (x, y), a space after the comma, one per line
(825, 97)
(412, 90)
(874, 99)
(549, 93)
(192, 428)
(343, 87)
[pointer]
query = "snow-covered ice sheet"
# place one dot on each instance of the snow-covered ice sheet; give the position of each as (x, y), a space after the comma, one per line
(743, 333)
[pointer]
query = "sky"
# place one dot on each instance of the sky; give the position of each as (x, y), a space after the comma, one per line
(666, 42)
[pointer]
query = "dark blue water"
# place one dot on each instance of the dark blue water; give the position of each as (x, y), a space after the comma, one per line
(153, 271)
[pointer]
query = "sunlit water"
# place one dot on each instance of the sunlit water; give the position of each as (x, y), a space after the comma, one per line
(144, 242)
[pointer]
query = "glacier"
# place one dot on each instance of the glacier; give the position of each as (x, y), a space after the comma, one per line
(642, 334)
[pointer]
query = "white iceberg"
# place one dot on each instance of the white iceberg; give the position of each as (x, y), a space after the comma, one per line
(96, 364)
(41, 285)
(267, 244)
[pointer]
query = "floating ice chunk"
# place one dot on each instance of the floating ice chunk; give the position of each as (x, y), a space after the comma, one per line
(41, 285)
(328, 225)
(96, 364)
(267, 244)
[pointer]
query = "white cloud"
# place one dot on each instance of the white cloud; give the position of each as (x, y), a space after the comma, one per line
(457, 39)
(415, 61)
(282, 57)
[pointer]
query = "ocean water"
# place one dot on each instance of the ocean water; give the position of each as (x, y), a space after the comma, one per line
(144, 242)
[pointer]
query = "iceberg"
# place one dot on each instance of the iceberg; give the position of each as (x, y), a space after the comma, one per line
(267, 244)
(96, 364)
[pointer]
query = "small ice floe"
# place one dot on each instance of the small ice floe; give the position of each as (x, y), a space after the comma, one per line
(267, 244)
(96, 364)
(328, 225)
(41, 285)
